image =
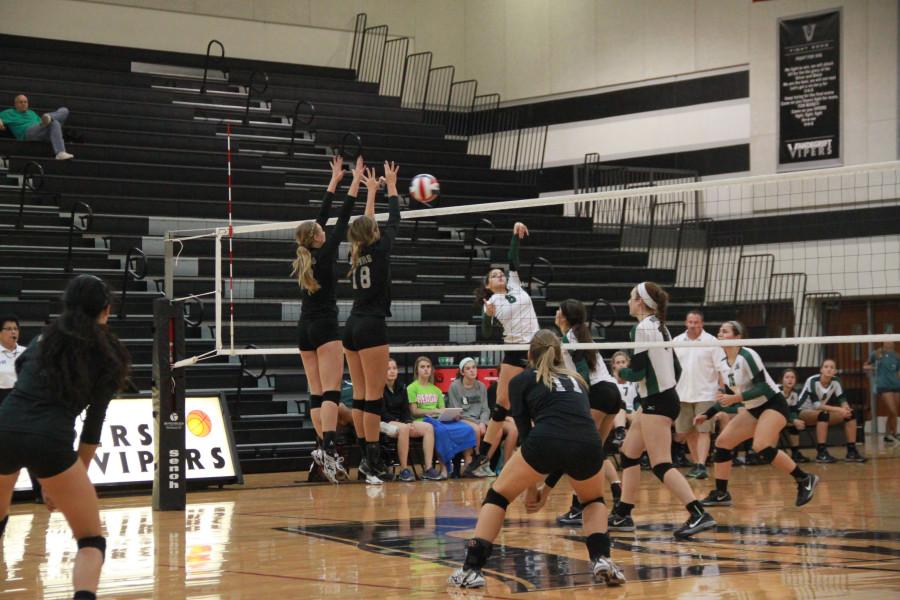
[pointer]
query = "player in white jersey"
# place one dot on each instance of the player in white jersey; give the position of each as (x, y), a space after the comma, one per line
(606, 403)
(746, 380)
(788, 388)
(823, 403)
(503, 301)
(627, 389)
(656, 372)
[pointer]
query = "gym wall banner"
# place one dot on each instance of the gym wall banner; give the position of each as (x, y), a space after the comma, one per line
(125, 455)
(809, 90)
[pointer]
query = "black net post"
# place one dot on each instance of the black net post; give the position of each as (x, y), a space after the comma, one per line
(169, 477)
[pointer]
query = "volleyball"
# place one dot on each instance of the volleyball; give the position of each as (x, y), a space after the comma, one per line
(199, 423)
(424, 188)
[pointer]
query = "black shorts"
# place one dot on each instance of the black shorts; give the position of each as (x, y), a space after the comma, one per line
(605, 397)
(516, 358)
(578, 460)
(43, 456)
(361, 332)
(664, 403)
(776, 403)
(312, 333)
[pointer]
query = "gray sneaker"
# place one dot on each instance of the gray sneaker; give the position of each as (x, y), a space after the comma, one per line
(484, 470)
(606, 570)
(432, 474)
(407, 475)
(333, 467)
(466, 578)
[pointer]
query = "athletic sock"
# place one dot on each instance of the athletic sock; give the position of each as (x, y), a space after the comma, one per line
(722, 486)
(798, 473)
(851, 447)
(820, 448)
(477, 553)
(623, 509)
(695, 508)
(84, 595)
(3, 524)
(484, 448)
(361, 442)
(598, 545)
(576, 505)
(328, 441)
(616, 487)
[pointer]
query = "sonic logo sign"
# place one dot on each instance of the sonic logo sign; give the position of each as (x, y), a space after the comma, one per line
(126, 452)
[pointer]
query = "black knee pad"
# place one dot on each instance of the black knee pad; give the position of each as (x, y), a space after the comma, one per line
(493, 497)
(499, 413)
(723, 455)
(661, 469)
(97, 541)
(358, 404)
(627, 461)
(374, 407)
(767, 455)
(824, 416)
(793, 430)
(332, 396)
(315, 401)
(597, 499)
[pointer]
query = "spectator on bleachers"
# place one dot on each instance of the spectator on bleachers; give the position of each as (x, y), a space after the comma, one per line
(10, 350)
(471, 395)
(426, 403)
(397, 422)
(885, 364)
(823, 403)
(25, 124)
(795, 425)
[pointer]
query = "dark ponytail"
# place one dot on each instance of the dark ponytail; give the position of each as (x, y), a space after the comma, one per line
(576, 315)
(75, 344)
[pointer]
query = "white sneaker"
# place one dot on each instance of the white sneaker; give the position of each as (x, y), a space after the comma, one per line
(466, 578)
(333, 467)
(608, 571)
(46, 119)
(64, 156)
(484, 470)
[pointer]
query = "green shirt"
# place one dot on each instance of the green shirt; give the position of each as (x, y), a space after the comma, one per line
(18, 122)
(425, 397)
(887, 365)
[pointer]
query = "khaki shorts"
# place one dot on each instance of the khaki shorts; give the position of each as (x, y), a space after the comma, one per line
(685, 421)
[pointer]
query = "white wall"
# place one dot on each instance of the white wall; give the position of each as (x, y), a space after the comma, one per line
(528, 49)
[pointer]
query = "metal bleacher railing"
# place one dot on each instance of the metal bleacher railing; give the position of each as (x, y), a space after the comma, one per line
(456, 105)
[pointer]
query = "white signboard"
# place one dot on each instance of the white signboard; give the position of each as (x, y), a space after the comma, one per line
(126, 447)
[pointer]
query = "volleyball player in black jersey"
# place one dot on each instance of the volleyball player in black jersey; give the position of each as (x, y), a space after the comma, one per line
(320, 345)
(76, 363)
(365, 334)
(557, 436)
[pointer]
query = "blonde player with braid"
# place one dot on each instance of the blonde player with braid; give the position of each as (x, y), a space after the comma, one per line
(318, 339)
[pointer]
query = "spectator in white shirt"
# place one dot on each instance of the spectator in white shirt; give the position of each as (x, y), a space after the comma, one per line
(697, 388)
(10, 350)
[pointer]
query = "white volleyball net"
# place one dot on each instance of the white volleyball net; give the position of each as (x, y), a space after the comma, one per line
(807, 261)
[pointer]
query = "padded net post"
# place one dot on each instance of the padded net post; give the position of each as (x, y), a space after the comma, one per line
(169, 475)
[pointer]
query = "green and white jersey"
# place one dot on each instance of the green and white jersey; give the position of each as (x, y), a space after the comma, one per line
(515, 312)
(748, 377)
(656, 365)
(815, 394)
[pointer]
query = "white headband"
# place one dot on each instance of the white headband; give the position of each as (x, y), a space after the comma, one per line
(642, 292)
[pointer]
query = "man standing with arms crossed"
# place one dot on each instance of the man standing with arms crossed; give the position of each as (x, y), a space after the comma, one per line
(697, 389)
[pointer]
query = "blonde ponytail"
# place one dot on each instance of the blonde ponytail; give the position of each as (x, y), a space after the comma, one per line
(362, 232)
(545, 354)
(303, 264)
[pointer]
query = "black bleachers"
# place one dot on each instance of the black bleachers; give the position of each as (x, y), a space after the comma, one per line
(151, 148)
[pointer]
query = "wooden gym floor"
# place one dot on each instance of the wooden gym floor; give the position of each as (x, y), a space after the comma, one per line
(273, 538)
